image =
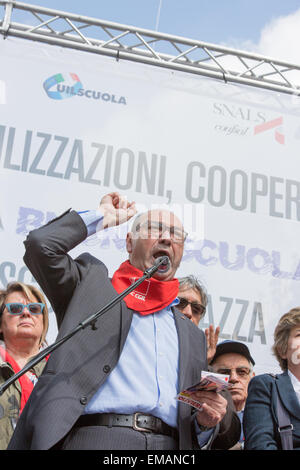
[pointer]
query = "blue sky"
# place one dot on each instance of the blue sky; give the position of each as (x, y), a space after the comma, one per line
(237, 23)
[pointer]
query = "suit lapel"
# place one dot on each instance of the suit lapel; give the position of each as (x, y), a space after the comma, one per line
(126, 319)
(189, 373)
(183, 344)
(287, 394)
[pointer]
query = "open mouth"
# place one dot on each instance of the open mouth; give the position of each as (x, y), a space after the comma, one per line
(165, 266)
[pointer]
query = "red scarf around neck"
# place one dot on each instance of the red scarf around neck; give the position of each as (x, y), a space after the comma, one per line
(25, 382)
(150, 296)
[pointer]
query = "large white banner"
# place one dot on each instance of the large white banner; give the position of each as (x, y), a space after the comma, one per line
(75, 126)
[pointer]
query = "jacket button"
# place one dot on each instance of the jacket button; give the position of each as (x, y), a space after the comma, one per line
(83, 400)
(106, 369)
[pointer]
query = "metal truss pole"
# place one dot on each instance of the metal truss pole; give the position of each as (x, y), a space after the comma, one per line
(148, 47)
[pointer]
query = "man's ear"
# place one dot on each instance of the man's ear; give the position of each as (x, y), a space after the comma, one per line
(129, 242)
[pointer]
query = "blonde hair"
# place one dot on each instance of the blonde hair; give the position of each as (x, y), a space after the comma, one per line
(29, 291)
(281, 335)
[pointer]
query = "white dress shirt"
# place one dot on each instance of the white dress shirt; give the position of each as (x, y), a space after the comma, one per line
(295, 384)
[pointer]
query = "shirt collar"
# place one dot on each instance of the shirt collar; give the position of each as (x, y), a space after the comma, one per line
(173, 304)
(295, 381)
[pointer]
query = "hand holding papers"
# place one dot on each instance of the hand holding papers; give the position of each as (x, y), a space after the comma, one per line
(210, 382)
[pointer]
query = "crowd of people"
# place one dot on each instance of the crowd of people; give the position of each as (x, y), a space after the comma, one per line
(114, 385)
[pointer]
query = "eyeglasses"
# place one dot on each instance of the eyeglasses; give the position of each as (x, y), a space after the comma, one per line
(242, 372)
(156, 229)
(197, 308)
(34, 308)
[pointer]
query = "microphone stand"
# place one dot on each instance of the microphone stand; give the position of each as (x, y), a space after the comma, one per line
(91, 320)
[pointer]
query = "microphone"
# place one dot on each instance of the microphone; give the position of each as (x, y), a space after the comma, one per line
(163, 263)
(160, 261)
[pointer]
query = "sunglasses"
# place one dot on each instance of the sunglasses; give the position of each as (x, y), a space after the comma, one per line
(34, 308)
(197, 308)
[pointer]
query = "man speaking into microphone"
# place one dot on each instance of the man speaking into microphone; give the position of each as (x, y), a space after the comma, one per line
(113, 386)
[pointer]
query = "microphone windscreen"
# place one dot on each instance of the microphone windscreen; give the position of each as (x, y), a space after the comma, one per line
(162, 261)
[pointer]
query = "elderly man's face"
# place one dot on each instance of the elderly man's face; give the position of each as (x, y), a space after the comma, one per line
(191, 304)
(238, 367)
(159, 233)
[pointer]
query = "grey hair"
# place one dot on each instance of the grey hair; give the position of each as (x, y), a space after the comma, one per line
(191, 282)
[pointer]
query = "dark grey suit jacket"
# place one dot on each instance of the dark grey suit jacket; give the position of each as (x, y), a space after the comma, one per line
(260, 420)
(77, 289)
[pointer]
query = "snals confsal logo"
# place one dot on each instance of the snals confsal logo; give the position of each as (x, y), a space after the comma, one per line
(237, 120)
(61, 87)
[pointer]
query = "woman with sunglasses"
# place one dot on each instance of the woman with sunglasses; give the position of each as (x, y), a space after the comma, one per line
(23, 329)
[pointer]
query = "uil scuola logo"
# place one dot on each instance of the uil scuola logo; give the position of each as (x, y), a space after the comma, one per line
(58, 90)
(60, 87)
